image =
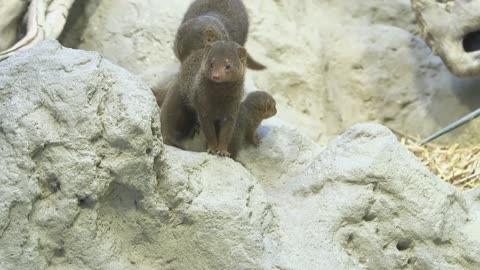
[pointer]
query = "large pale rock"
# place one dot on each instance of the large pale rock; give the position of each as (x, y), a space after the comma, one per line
(364, 202)
(87, 184)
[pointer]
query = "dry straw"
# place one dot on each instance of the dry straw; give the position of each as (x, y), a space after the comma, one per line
(457, 165)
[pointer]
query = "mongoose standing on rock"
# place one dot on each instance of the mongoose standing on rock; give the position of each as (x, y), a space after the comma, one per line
(209, 88)
(211, 20)
(256, 107)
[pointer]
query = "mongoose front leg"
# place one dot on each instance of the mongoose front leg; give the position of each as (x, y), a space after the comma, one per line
(208, 127)
(226, 132)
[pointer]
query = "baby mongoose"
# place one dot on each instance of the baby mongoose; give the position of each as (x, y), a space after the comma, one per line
(212, 20)
(209, 88)
(256, 107)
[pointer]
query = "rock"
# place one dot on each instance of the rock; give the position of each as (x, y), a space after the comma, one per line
(330, 64)
(132, 34)
(11, 12)
(357, 69)
(451, 29)
(395, 81)
(88, 184)
(76, 132)
(473, 199)
(365, 202)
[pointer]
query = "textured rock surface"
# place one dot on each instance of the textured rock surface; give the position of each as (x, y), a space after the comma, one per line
(472, 229)
(87, 183)
(356, 205)
(451, 29)
(330, 63)
(11, 12)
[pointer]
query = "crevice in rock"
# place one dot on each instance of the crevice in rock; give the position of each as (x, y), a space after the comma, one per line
(59, 251)
(121, 196)
(93, 89)
(100, 62)
(4, 229)
(158, 165)
(349, 242)
(77, 22)
(375, 186)
(52, 183)
(85, 202)
(267, 211)
(74, 220)
(247, 204)
(158, 168)
(439, 242)
(471, 42)
(369, 217)
(404, 244)
(101, 107)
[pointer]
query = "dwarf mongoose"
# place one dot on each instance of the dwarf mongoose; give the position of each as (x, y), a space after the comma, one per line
(212, 20)
(209, 88)
(256, 107)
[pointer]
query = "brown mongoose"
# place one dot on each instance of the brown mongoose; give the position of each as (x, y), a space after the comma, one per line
(197, 32)
(209, 88)
(212, 20)
(256, 107)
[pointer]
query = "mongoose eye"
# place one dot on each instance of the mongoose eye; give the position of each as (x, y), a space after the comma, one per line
(227, 66)
(211, 65)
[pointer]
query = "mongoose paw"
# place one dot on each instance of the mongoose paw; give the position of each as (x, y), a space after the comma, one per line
(196, 130)
(211, 151)
(222, 153)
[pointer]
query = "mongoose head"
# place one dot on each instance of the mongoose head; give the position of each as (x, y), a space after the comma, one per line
(261, 102)
(197, 32)
(224, 61)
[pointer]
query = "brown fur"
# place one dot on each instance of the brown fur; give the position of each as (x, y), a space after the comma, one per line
(196, 33)
(212, 20)
(209, 88)
(254, 109)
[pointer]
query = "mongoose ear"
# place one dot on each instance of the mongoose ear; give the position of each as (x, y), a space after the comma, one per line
(242, 53)
(210, 36)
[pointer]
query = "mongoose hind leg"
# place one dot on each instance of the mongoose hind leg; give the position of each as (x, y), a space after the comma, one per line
(252, 138)
(177, 121)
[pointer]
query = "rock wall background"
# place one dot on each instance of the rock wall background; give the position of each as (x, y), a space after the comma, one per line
(330, 63)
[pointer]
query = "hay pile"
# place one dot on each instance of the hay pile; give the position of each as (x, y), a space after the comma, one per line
(459, 166)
